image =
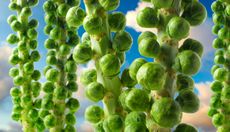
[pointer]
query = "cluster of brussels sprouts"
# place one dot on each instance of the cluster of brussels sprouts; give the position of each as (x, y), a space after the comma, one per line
(167, 87)
(220, 100)
(25, 77)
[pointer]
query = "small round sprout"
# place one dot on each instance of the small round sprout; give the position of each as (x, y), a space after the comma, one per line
(149, 47)
(217, 86)
(40, 125)
(33, 44)
(147, 18)
(63, 9)
(37, 103)
(94, 114)
(219, 59)
(32, 33)
(151, 76)
(25, 12)
(56, 33)
(126, 80)
(75, 16)
(52, 75)
(110, 65)
(217, 6)
(12, 39)
(122, 41)
(33, 23)
(16, 116)
(145, 35)
(11, 18)
(43, 113)
(184, 82)
(195, 13)
(71, 76)
(14, 59)
(64, 50)
(135, 117)
(166, 112)
(15, 92)
(225, 94)
(50, 19)
(216, 28)
(224, 33)
(109, 4)
(187, 59)
(225, 128)
(113, 122)
(220, 74)
(185, 128)
(95, 91)
(93, 25)
(13, 72)
(26, 100)
(194, 45)
(137, 100)
(188, 101)
(162, 4)
(16, 26)
(48, 87)
(212, 112)
(36, 75)
(122, 99)
(50, 121)
(50, 44)
(13, 6)
(33, 114)
(214, 68)
(178, 28)
(136, 127)
(218, 119)
(72, 86)
(135, 66)
(69, 128)
(18, 80)
(47, 102)
(215, 101)
(82, 53)
(88, 76)
(70, 66)
(49, 7)
(117, 21)
(47, 29)
(60, 92)
(36, 88)
(99, 127)
(70, 119)
(73, 104)
(28, 68)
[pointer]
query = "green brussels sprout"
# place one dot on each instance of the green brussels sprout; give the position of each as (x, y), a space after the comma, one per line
(28, 68)
(16, 100)
(215, 101)
(32, 33)
(15, 92)
(11, 18)
(220, 74)
(93, 25)
(63, 9)
(117, 21)
(135, 117)
(216, 28)
(82, 53)
(70, 119)
(145, 35)
(64, 50)
(50, 44)
(147, 18)
(225, 94)
(149, 47)
(85, 37)
(99, 127)
(219, 52)
(212, 112)
(187, 59)
(184, 82)
(25, 12)
(72, 86)
(137, 100)
(219, 59)
(217, 6)
(122, 99)
(47, 29)
(17, 108)
(194, 45)
(94, 114)
(136, 127)
(75, 16)
(13, 72)
(195, 13)
(14, 59)
(33, 44)
(50, 121)
(218, 43)
(60, 92)
(18, 80)
(15, 116)
(110, 65)
(36, 75)
(88, 76)
(113, 123)
(26, 100)
(122, 41)
(70, 66)
(73, 104)
(47, 102)
(12, 39)
(223, 129)
(16, 26)
(33, 23)
(162, 4)
(95, 91)
(224, 33)
(122, 57)
(33, 114)
(69, 128)
(38, 103)
(126, 80)
(73, 2)
(188, 101)
(13, 6)
(185, 128)
(219, 19)
(166, 112)
(214, 68)
(40, 125)
(49, 7)
(178, 28)
(217, 86)
(52, 75)
(48, 87)
(109, 4)
(151, 76)
(218, 119)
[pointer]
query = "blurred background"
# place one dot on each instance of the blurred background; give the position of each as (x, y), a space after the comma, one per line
(130, 8)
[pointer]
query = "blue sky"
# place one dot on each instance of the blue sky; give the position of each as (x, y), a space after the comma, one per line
(201, 33)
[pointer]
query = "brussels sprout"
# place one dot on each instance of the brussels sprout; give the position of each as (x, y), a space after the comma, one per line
(185, 128)
(151, 76)
(216, 28)
(216, 86)
(50, 121)
(194, 45)
(109, 4)
(18, 80)
(70, 66)
(110, 65)
(122, 41)
(70, 119)
(113, 123)
(223, 129)
(166, 112)
(69, 128)
(99, 127)
(135, 117)
(88, 76)
(33, 114)
(122, 99)
(11, 18)
(93, 25)
(184, 82)
(13, 72)
(82, 53)
(15, 92)
(117, 21)
(122, 57)
(72, 86)
(147, 18)
(215, 101)
(50, 44)
(214, 68)
(149, 47)
(73, 104)
(178, 28)
(220, 74)
(225, 94)
(187, 59)
(162, 4)
(126, 80)
(218, 119)
(217, 6)
(75, 16)
(64, 50)
(136, 127)
(145, 35)
(188, 101)
(94, 114)
(212, 111)
(12, 39)
(60, 92)
(15, 116)
(224, 33)
(52, 75)
(195, 13)
(48, 87)
(135, 66)
(219, 59)
(95, 91)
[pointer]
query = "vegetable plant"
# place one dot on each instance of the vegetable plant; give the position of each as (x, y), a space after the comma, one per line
(219, 103)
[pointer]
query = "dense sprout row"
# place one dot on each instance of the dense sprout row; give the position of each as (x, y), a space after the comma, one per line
(219, 103)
